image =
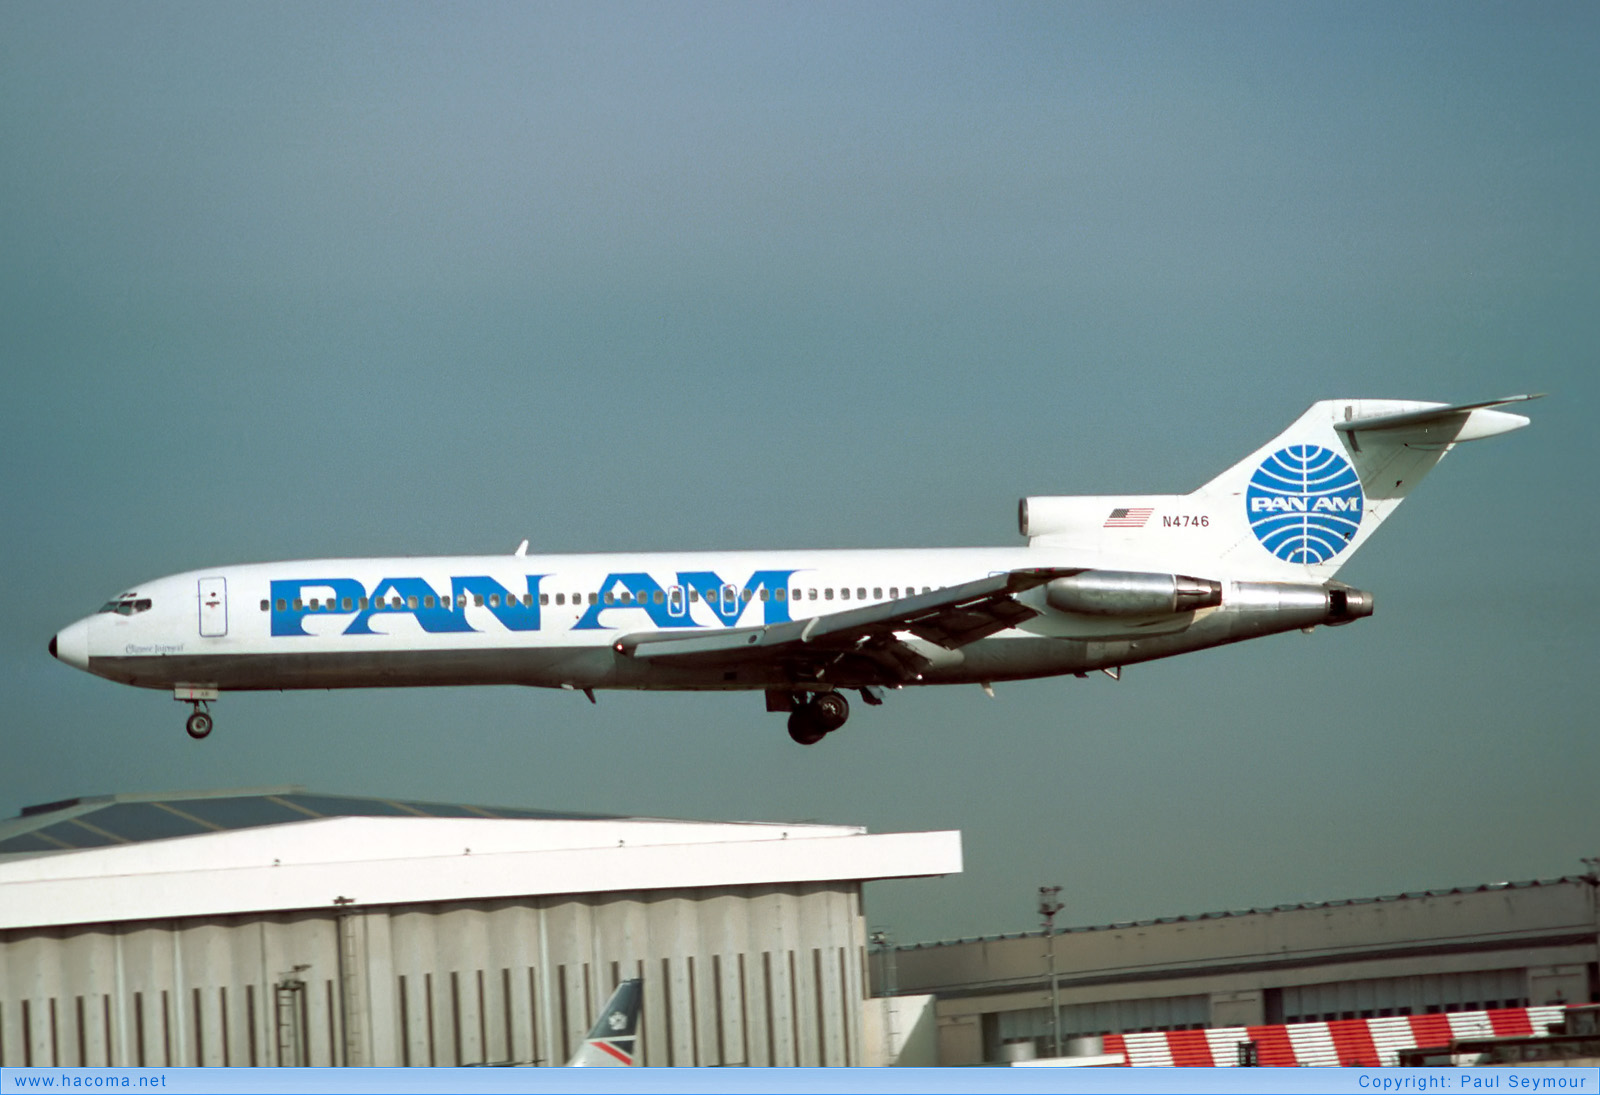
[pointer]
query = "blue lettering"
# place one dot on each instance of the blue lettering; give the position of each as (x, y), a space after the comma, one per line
(290, 594)
(513, 614)
(729, 610)
(417, 598)
(643, 592)
(640, 591)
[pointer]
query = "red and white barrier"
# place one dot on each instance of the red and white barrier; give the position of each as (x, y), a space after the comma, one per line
(1362, 1042)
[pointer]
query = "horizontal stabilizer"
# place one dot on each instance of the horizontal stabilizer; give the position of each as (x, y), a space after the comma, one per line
(1458, 421)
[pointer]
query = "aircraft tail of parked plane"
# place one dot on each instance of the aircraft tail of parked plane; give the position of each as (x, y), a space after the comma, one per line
(613, 1040)
(1104, 581)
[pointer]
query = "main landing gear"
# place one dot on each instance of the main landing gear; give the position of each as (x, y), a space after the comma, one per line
(810, 722)
(199, 723)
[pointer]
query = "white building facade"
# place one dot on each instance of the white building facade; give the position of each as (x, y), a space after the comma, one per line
(427, 940)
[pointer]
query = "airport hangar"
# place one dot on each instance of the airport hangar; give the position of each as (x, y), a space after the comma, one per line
(1500, 945)
(277, 927)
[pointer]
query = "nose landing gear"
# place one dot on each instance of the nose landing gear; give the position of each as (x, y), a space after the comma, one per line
(198, 696)
(199, 723)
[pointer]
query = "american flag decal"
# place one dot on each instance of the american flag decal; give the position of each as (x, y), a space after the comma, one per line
(1129, 518)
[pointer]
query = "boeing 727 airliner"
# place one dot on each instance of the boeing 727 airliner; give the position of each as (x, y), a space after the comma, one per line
(1103, 582)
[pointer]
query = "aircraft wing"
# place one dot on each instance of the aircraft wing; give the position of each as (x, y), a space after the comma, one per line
(885, 633)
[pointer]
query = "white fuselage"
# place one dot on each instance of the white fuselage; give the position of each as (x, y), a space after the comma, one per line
(554, 620)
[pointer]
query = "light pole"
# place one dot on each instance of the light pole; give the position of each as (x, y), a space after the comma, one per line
(1049, 905)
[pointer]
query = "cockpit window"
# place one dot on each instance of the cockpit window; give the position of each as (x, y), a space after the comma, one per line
(127, 606)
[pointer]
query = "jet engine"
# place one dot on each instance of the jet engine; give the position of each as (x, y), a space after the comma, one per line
(1127, 593)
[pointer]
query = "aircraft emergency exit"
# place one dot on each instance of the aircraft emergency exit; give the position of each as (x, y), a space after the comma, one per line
(1103, 582)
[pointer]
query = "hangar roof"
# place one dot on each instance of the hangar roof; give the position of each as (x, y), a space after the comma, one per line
(386, 852)
(98, 821)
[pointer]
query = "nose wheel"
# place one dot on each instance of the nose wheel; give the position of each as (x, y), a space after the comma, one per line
(198, 724)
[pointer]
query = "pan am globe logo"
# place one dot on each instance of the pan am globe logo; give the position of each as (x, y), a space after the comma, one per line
(1304, 503)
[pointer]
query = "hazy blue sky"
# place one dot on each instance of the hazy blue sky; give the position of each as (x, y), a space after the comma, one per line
(290, 280)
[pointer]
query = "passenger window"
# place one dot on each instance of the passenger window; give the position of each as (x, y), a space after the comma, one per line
(298, 605)
(314, 605)
(411, 602)
(494, 600)
(561, 598)
(282, 605)
(527, 600)
(363, 604)
(877, 594)
(827, 594)
(764, 593)
(265, 605)
(780, 593)
(427, 602)
(811, 594)
(544, 599)
(744, 595)
(611, 598)
(894, 593)
(658, 597)
(477, 600)
(844, 594)
(345, 604)
(861, 593)
(594, 598)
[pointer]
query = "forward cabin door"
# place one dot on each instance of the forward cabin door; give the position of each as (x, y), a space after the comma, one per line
(213, 607)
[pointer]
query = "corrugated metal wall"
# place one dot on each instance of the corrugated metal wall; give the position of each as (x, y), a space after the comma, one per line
(757, 975)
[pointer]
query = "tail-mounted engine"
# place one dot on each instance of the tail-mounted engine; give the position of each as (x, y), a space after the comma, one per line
(1126, 593)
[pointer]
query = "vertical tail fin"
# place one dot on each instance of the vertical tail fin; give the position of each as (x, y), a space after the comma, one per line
(1307, 499)
(613, 1040)
(1295, 509)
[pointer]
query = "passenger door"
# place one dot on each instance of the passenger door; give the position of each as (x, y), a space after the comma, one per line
(213, 607)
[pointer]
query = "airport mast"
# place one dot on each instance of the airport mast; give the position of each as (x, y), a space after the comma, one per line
(1049, 905)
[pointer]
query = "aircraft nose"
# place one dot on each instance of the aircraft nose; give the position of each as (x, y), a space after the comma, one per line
(71, 645)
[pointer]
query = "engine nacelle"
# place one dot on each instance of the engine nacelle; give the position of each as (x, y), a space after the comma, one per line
(1126, 593)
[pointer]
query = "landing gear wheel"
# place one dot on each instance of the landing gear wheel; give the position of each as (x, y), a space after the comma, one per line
(811, 722)
(829, 711)
(198, 725)
(802, 730)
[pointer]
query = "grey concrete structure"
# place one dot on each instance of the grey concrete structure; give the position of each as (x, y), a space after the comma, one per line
(423, 939)
(1501, 945)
